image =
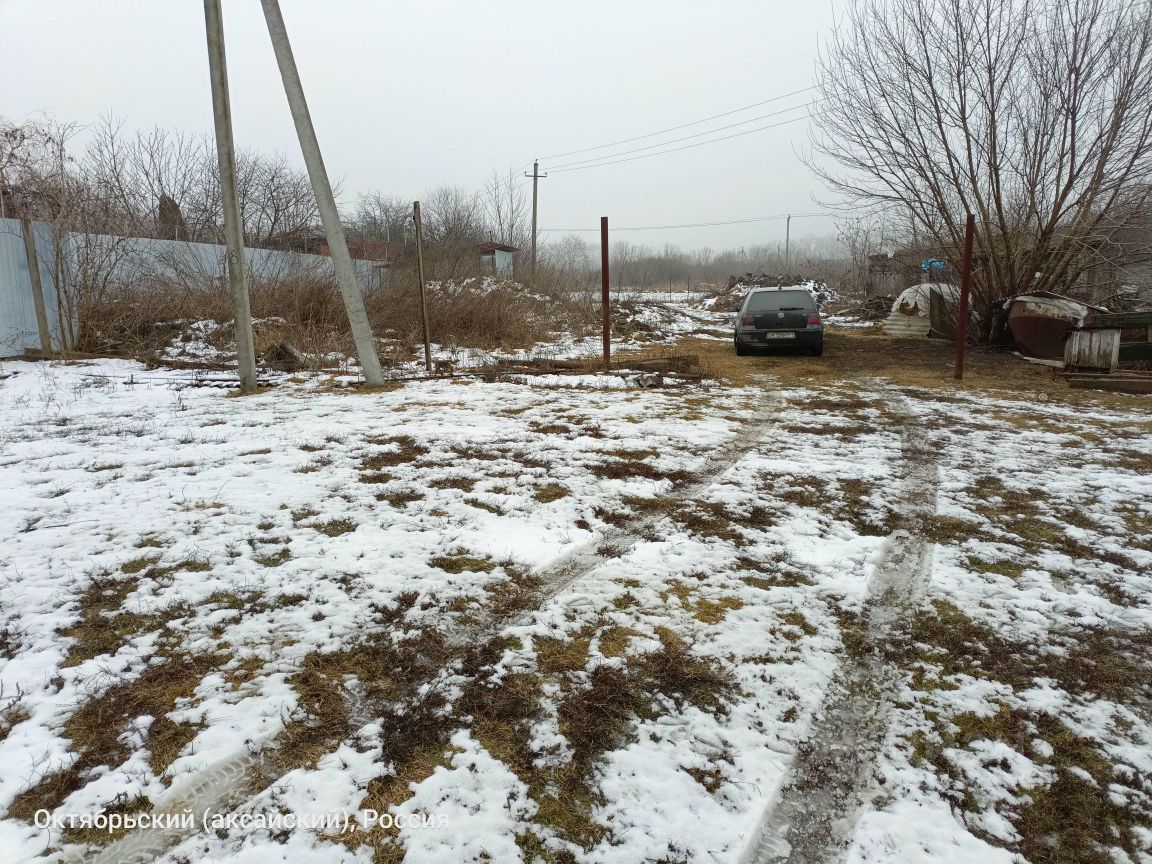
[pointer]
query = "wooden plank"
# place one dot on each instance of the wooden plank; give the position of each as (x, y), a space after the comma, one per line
(1122, 320)
(1113, 385)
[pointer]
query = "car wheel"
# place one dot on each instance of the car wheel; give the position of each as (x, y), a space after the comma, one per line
(741, 351)
(818, 351)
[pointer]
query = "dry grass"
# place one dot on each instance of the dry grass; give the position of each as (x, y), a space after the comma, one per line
(501, 318)
(459, 560)
(96, 728)
(400, 498)
(1075, 818)
(464, 484)
(920, 363)
(104, 626)
(550, 492)
(335, 527)
(404, 450)
(628, 468)
(1085, 661)
(713, 519)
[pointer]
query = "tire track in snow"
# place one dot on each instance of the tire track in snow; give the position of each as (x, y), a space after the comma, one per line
(614, 542)
(226, 784)
(812, 819)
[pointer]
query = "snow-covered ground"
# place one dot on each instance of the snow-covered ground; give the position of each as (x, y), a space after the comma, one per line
(563, 620)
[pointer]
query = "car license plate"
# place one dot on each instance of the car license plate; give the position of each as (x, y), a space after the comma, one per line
(787, 335)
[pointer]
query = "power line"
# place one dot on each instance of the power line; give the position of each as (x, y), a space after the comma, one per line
(685, 138)
(694, 224)
(681, 126)
(685, 147)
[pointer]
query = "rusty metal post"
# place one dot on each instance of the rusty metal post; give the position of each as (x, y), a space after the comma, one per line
(423, 300)
(965, 287)
(604, 301)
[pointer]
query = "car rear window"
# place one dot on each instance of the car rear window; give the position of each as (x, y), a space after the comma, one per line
(763, 301)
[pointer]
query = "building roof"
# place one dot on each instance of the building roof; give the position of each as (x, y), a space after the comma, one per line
(489, 248)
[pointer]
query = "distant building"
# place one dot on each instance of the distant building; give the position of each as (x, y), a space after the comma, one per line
(496, 259)
(317, 244)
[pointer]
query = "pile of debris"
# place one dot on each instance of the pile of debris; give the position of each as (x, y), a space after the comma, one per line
(732, 297)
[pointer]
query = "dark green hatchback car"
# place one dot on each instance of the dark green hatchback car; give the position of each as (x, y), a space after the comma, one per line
(779, 317)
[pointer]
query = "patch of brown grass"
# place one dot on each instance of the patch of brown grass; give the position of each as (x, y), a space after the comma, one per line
(404, 450)
(400, 498)
(459, 560)
(335, 527)
(464, 484)
(550, 492)
(555, 655)
(1077, 817)
(714, 519)
(626, 469)
(96, 727)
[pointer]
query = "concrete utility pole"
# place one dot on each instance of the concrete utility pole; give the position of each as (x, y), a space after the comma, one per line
(787, 242)
(325, 201)
(233, 227)
(604, 298)
(535, 175)
(420, 269)
(33, 259)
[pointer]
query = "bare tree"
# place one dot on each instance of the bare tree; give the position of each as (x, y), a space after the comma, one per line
(508, 209)
(1036, 115)
(382, 217)
(453, 222)
(130, 175)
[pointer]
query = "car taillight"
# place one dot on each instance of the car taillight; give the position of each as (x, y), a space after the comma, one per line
(813, 319)
(746, 320)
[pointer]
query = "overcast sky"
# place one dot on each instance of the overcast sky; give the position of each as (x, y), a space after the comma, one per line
(409, 95)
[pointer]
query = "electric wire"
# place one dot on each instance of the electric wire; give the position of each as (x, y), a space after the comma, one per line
(681, 126)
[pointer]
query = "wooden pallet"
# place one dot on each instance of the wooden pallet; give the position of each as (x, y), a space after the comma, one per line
(1114, 382)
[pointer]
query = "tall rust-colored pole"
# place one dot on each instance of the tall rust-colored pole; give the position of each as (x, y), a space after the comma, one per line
(420, 269)
(604, 293)
(965, 287)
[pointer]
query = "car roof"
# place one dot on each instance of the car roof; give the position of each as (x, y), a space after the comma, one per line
(777, 288)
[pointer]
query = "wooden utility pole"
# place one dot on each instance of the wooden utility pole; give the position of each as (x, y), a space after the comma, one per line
(233, 226)
(420, 268)
(604, 300)
(26, 228)
(535, 175)
(965, 287)
(325, 202)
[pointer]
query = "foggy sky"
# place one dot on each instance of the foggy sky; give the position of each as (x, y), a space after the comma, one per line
(409, 95)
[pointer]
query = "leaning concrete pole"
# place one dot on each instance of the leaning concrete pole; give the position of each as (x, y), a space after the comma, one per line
(233, 227)
(325, 201)
(30, 254)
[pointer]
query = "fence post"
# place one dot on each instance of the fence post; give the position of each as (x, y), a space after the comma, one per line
(423, 301)
(604, 299)
(37, 288)
(965, 287)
